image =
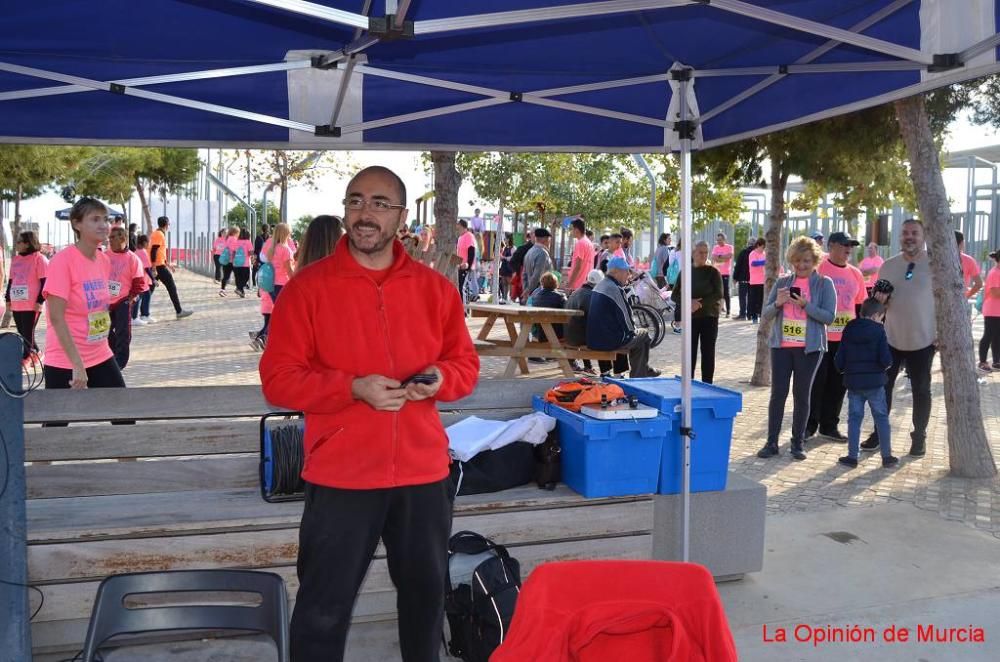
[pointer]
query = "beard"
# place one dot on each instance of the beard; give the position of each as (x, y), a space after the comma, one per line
(372, 241)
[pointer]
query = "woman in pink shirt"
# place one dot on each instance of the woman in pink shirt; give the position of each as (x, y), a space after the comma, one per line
(24, 288)
(76, 290)
(140, 308)
(755, 295)
(242, 252)
(217, 247)
(991, 316)
(126, 282)
(870, 265)
(276, 252)
(226, 259)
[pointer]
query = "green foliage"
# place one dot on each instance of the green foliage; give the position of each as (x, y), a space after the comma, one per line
(608, 190)
(113, 173)
(237, 216)
(33, 167)
(299, 227)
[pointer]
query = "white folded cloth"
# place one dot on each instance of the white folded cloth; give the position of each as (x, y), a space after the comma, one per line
(474, 435)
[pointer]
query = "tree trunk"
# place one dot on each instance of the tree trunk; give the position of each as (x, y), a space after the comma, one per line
(779, 180)
(446, 184)
(147, 216)
(16, 228)
(969, 453)
(284, 200)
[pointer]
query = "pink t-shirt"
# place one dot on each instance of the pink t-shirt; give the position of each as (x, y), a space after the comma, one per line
(726, 266)
(871, 263)
(124, 268)
(266, 303)
(850, 287)
(143, 256)
(793, 318)
(242, 258)
(583, 250)
(991, 305)
(970, 268)
(465, 242)
(757, 271)
(83, 284)
(26, 272)
(282, 255)
(218, 245)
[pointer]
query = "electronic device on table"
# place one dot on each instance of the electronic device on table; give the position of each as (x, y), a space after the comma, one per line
(621, 409)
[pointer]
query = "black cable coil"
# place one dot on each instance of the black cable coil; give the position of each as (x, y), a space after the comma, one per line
(287, 458)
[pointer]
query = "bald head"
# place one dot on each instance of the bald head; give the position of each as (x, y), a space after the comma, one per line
(385, 172)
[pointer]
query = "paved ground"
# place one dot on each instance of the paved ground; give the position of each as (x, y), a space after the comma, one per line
(211, 348)
(924, 568)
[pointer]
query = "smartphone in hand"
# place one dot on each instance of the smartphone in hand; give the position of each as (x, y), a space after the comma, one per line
(795, 292)
(426, 378)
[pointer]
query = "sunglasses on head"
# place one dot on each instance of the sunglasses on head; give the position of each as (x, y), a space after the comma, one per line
(909, 270)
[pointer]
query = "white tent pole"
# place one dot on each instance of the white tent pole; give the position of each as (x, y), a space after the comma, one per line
(687, 248)
(977, 49)
(313, 10)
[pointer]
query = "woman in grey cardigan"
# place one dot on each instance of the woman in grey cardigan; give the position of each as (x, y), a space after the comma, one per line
(801, 304)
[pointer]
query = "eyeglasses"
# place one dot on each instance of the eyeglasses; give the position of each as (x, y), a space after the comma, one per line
(909, 270)
(377, 205)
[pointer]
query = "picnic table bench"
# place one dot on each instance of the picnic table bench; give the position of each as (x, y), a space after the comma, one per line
(179, 490)
(518, 345)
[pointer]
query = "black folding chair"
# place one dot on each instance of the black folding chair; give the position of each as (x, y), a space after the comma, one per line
(111, 617)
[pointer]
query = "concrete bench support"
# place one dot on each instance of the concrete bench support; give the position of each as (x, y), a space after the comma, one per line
(727, 528)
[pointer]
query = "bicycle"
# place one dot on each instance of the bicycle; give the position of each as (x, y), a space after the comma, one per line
(651, 307)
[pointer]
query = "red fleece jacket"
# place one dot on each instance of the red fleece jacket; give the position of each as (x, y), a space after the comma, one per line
(604, 611)
(333, 323)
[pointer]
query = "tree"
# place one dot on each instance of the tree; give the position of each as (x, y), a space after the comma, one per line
(237, 215)
(969, 452)
(829, 150)
(281, 169)
(26, 171)
(447, 181)
(300, 226)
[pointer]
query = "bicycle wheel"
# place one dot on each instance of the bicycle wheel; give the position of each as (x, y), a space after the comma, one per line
(649, 319)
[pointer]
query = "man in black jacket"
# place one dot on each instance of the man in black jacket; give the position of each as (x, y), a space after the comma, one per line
(610, 325)
(863, 357)
(741, 274)
(517, 263)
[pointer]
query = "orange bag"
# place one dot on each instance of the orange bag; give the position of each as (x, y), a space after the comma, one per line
(573, 395)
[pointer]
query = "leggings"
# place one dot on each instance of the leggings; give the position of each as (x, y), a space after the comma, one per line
(165, 277)
(704, 332)
(218, 268)
(227, 271)
(991, 339)
(755, 301)
(25, 321)
(242, 277)
(790, 364)
(120, 336)
(267, 316)
(725, 292)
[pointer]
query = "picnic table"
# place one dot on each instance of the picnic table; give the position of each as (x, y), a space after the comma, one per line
(518, 345)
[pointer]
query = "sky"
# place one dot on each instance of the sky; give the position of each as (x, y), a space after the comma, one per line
(409, 166)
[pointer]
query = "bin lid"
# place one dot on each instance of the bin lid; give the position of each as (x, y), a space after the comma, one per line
(594, 428)
(665, 392)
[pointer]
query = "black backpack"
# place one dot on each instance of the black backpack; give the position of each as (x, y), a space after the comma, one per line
(483, 584)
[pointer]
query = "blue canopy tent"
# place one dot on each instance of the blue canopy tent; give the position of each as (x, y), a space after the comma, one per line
(626, 76)
(63, 214)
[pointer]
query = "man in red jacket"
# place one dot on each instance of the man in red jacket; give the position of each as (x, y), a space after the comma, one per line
(345, 333)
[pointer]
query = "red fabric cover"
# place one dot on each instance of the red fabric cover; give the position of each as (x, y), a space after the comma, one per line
(333, 322)
(633, 611)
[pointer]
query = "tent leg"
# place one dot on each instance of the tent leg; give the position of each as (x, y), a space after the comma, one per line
(687, 248)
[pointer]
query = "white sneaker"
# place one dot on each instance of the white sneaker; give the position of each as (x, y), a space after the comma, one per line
(148, 319)
(138, 321)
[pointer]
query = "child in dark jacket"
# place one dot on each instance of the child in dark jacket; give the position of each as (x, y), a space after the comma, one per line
(863, 358)
(547, 296)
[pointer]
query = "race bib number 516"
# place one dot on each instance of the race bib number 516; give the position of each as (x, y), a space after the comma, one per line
(793, 331)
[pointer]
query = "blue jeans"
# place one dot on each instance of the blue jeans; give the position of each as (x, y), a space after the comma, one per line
(856, 413)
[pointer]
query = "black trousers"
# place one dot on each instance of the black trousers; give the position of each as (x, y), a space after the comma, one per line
(990, 339)
(25, 322)
(790, 364)
(218, 267)
(253, 272)
(164, 276)
(725, 293)
(227, 272)
(704, 333)
(120, 334)
(828, 393)
(918, 367)
(337, 539)
(744, 289)
(242, 277)
(755, 299)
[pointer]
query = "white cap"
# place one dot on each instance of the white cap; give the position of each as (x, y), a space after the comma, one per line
(595, 276)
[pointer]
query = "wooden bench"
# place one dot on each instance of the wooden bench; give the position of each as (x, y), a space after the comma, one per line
(180, 490)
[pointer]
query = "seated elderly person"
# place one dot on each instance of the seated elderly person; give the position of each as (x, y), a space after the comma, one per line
(576, 327)
(609, 323)
(547, 296)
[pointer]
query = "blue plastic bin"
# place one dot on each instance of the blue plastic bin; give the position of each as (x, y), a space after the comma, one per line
(713, 409)
(608, 458)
